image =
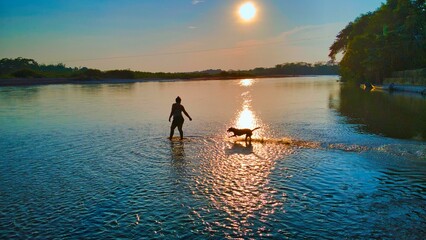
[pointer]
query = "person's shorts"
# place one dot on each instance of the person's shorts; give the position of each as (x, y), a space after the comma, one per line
(177, 122)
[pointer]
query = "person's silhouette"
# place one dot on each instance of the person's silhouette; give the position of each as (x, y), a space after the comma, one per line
(178, 119)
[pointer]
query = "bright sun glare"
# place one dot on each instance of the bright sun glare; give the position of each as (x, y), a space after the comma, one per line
(247, 11)
(246, 82)
(246, 119)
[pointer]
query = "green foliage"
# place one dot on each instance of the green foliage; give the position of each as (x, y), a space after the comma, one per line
(27, 73)
(88, 74)
(29, 68)
(24, 67)
(8, 66)
(300, 68)
(119, 74)
(392, 38)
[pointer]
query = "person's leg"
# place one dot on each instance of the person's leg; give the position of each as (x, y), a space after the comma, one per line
(172, 130)
(180, 130)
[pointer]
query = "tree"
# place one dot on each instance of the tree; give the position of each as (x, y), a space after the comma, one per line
(392, 38)
(12, 65)
(27, 73)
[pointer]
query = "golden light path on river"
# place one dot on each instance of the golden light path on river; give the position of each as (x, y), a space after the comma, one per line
(246, 117)
(236, 177)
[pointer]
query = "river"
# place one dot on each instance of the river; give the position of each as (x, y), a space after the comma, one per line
(93, 161)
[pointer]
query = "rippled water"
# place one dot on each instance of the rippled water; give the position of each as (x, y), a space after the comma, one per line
(93, 162)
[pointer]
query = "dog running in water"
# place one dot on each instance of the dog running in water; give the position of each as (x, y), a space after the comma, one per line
(239, 132)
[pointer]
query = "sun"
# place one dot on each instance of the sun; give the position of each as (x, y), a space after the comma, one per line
(247, 11)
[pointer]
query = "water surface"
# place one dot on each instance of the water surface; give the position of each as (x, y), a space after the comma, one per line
(93, 161)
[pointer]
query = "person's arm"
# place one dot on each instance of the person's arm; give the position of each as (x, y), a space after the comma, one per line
(171, 112)
(184, 111)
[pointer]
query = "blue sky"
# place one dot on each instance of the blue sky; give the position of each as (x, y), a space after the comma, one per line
(173, 35)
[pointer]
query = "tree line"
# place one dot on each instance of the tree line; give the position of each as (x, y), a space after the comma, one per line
(392, 38)
(29, 68)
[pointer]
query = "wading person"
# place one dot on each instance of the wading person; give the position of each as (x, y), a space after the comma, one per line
(178, 119)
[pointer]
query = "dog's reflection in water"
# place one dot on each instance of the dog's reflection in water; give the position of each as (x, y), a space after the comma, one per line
(243, 149)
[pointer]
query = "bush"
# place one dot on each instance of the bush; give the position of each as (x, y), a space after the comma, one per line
(89, 74)
(120, 74)
(27, 73)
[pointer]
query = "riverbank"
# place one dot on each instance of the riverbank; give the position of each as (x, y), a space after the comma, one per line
(403, 88)
(48, 81)
(416, 77)
(396, 87)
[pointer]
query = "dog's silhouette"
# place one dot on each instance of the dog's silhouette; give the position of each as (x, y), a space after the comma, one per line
(239, 132)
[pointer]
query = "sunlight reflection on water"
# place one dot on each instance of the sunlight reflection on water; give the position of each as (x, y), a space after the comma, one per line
(246, 117)
(236, 179)
(246, 82)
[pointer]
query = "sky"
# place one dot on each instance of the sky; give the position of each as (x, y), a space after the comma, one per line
(173, 35)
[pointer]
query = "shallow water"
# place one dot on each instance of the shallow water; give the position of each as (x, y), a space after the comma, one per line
(93, 161)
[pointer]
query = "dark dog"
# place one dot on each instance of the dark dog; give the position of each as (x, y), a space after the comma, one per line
(239, 132)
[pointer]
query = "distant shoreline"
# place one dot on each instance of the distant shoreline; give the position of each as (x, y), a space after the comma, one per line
(51, 81)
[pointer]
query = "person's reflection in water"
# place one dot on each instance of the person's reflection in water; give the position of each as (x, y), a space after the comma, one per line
(178, 160)
(178, 151)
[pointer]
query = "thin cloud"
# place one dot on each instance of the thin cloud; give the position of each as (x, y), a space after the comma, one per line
(192, 27)
(300, 34)
(195, 2)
